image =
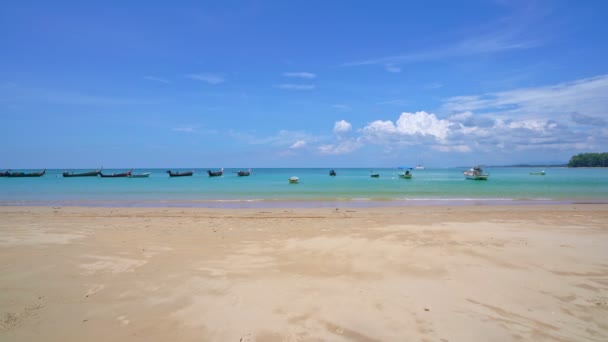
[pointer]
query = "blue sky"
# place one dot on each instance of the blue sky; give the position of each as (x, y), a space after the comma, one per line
(301, 84)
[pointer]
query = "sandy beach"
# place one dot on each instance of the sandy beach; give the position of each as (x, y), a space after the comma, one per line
(465, 273)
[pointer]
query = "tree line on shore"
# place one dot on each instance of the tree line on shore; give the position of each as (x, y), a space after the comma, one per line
(589, 160)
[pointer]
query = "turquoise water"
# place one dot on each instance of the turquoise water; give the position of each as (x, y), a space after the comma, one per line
(270, 187)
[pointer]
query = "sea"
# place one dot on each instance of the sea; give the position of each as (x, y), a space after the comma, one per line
(269, 187)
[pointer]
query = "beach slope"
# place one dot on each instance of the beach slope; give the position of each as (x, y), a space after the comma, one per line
(466, 273)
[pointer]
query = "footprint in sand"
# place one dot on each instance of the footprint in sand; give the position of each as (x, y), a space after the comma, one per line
(123, 320)
(94, 289)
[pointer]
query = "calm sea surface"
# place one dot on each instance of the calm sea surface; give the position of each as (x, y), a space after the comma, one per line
(270, 188)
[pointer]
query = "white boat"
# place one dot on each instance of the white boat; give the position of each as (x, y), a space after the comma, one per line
(140, 175)
(476, 173)
(294, 180)
(419, 167)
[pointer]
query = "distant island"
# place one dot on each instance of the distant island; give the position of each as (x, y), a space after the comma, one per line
(589, 160)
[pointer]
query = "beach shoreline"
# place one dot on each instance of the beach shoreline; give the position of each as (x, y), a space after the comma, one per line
(301, 203)
(435, 272)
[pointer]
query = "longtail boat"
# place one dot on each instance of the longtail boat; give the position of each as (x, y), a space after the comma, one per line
(7, 173)
(180, 174)
(140, 175)
(116, 175)
(83, 174)
(243, 173)
(215, 173)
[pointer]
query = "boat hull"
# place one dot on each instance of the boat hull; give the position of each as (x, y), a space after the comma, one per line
(477, 177)
(116, 175)
(215, 174)
(476, 173)
(22, 174)
(84, 174)
(140, 175)
(180, 174)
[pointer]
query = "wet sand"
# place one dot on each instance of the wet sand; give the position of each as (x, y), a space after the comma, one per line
(440, 273)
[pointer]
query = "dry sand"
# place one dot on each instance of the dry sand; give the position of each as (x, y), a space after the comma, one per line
(379, 274)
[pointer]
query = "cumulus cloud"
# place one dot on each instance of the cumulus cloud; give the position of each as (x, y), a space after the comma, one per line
(419, 123)
(298, 144)
(553, 120)
(342, 126)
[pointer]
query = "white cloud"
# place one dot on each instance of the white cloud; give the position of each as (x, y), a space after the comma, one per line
(290, 86)
(302, 74)
(284, 138)
(298, 144)
(341, 107)
(392, 68)
(568, 116)
(157, 79)
(395, 102)
(543, 123)
(452, 148)
(515, 32)
(434, 85)
(185, 129)
(586, 96)
(343, 147)
(419, 123)
(461, 117)
(208, 78)
(342, 126)
(491, 43)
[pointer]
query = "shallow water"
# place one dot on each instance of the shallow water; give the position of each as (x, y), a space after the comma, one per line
(270, 187)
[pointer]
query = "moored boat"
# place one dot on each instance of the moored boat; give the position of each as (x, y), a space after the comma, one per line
(476, 173)
(541, 173)
(332, 172)
(294, 180)
(116, 175)
(374, 175)
(8, 173)
(180, 174)
(419, 167)
(407, 175)
(82, 174)
(215, 173)
(244, 173)
(140, 175)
